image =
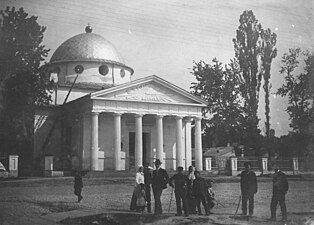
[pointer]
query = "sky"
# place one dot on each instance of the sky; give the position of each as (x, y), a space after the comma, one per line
(164, 37)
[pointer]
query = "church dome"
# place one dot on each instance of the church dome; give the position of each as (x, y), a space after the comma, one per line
(87, 47)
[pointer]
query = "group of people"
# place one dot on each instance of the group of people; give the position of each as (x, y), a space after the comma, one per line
(249, 189)
(190, 190)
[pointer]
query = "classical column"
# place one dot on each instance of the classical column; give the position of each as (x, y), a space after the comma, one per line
(188, 148)
(138, 140)
(198, 145)
(95, 147)
(179, 149)
(117, 141)
(160, 138)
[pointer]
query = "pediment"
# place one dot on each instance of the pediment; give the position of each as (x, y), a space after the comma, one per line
(149, 90)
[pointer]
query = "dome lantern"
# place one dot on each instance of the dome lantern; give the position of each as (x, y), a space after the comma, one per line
(88, 29)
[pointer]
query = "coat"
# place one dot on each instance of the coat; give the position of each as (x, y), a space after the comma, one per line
(248, 183)
(160, 179)
(199, 187)
(280, 183)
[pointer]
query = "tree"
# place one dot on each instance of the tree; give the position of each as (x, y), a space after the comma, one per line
(298, 88)
(268, 53)
(23, 81)
(247, 46)
(220, 86)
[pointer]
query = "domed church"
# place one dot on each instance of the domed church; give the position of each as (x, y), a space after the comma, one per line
(100, 118)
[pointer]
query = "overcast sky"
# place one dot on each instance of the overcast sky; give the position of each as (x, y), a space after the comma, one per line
(163, 37)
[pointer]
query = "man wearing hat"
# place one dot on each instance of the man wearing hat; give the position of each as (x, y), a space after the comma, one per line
(180, 182)
(159, 182)
(248, 188)
(280, 188)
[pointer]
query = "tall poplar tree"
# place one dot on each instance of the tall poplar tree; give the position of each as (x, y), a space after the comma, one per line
(247, 46)
(269, 52)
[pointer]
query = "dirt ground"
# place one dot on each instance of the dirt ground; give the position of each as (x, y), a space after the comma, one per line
(29, 201)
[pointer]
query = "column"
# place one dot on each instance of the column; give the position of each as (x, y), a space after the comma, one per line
(188, 149)
(117, 141)
(138, 140)
(95, 147)
(48, 165)
(264, 165)
(208, 163)
(295, 165)
(179, 149)
(234, 166)
(13, 165)
(160, 137)
(198, 145)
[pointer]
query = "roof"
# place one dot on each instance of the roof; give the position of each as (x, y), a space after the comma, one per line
(87, 47)
(145, 81)
(219, 151)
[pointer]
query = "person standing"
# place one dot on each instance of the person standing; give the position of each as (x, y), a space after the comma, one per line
(200, 192)
(139, 179)
(248, 188)
(180, 182)
(280, 188)
(78, 185)
(190, 197)
(148, 182)
(159, 182)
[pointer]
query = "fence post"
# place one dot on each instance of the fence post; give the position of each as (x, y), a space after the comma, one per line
(208, 163)
(295, 165)
(234, 166)
(13, 165)
(264, 165)
(48, 166)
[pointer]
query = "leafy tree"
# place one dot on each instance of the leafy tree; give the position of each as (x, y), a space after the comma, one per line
(247, 46)
(298, 88)
(23, 81)
(220, 86)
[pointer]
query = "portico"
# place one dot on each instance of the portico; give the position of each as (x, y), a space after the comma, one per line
(149, 107)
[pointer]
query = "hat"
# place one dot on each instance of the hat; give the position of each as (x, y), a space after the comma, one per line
(157, 162)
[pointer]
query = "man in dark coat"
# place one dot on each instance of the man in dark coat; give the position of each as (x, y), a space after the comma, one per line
(200, 192)
(148, 182)
(280, 188)
(248, 188)
(159, 182)
(180, 182)
(78, 185)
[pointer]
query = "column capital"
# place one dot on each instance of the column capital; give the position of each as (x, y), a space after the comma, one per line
(179, 117)
(95, 113)
(139, 115)
(198, 118)
(159, 116)
(117, 114)
(188, 119)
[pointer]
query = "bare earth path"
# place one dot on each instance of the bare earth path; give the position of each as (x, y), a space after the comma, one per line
(49, 200)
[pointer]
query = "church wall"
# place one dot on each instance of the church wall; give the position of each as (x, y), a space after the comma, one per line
(106, 139)
(86, 141)
(43, 121)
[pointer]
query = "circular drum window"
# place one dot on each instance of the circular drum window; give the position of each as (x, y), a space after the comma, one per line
(122, 73)
(103, 70)
(79, 69)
